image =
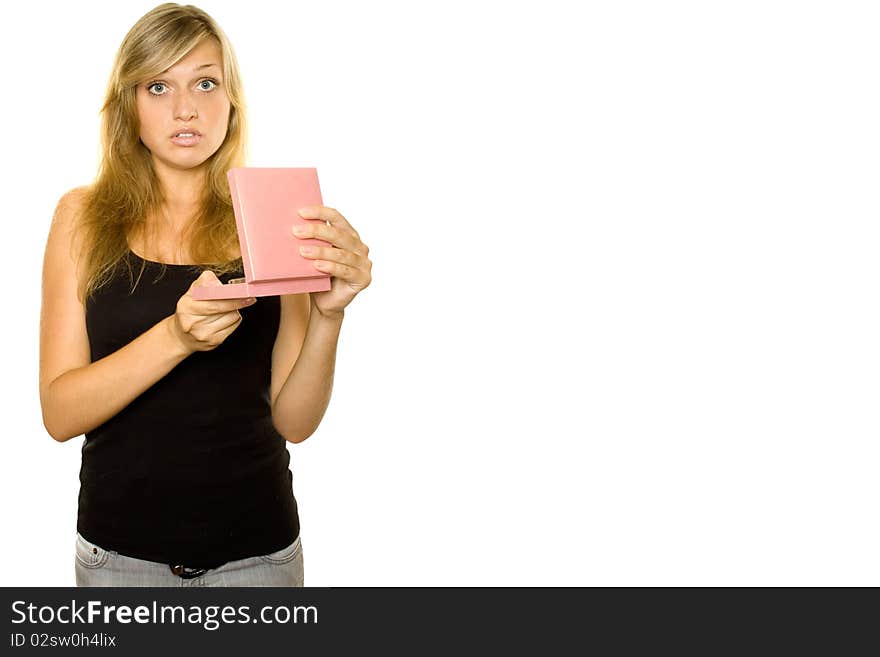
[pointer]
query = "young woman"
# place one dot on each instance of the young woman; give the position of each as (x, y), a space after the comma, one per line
(187, 406)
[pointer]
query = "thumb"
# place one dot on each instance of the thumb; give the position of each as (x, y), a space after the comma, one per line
(207, 277)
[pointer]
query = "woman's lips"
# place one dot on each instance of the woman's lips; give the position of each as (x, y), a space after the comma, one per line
(187, 141)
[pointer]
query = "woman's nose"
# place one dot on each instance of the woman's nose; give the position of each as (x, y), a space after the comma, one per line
(185, 107)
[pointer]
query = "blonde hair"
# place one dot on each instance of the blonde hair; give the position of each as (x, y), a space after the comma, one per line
(125, 190)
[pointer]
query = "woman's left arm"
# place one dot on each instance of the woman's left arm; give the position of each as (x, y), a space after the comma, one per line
(303, 399)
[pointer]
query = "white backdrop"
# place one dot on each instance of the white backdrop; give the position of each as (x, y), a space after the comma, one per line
(622, 328)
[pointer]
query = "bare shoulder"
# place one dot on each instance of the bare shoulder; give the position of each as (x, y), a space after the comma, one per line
(71, 202)
(77, 194)
(68, 209)
(63, 244)
(65, 221)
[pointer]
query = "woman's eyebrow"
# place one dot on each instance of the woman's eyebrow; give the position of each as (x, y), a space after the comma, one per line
(197, 68)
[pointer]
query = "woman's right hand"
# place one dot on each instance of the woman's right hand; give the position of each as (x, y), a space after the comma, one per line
(202, 325)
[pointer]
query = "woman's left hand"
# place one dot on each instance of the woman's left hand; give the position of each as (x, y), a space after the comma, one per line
(345, 260)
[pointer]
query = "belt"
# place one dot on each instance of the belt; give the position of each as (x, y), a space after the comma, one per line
(185, 572)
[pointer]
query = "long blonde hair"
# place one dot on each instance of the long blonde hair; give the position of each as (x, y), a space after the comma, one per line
(126, 190)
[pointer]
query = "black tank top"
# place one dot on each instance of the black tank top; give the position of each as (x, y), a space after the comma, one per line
(192, 471)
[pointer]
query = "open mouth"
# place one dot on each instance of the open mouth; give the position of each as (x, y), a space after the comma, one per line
(186, 139)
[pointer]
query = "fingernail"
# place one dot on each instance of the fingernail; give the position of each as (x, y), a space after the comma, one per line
(302, 212)
(299, 230)
(305, 250)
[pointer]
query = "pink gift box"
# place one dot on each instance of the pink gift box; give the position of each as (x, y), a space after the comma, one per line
(265, 201)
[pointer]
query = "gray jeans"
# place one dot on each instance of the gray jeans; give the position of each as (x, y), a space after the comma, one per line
(96, 566)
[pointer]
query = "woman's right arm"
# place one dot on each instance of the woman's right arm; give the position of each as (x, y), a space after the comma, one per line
(77, 395)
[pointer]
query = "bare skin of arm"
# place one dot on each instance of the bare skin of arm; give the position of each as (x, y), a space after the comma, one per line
(77, 395)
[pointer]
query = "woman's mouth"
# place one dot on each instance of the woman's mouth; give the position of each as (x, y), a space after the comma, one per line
(186, 139)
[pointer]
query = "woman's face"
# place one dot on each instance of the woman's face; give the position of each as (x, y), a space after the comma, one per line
(189, 95)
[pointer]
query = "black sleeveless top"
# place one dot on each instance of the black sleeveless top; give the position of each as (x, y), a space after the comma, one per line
(192, 471)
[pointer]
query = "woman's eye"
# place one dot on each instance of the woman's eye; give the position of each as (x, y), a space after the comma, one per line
(162, 84)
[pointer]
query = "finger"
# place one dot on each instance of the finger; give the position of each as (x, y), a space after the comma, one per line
(340, 256)
(346, 272)
(209, 306)
(234, 320)
(212, 309)
(227, 305)
(222, 321)
(331, 215)
(207, 277)
(229, 329)
(340, 238)
(218, 306)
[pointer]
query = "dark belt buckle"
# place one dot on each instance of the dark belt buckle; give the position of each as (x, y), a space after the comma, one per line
(186, 573)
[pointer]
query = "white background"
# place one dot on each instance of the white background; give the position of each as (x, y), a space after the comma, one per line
(623, 326)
